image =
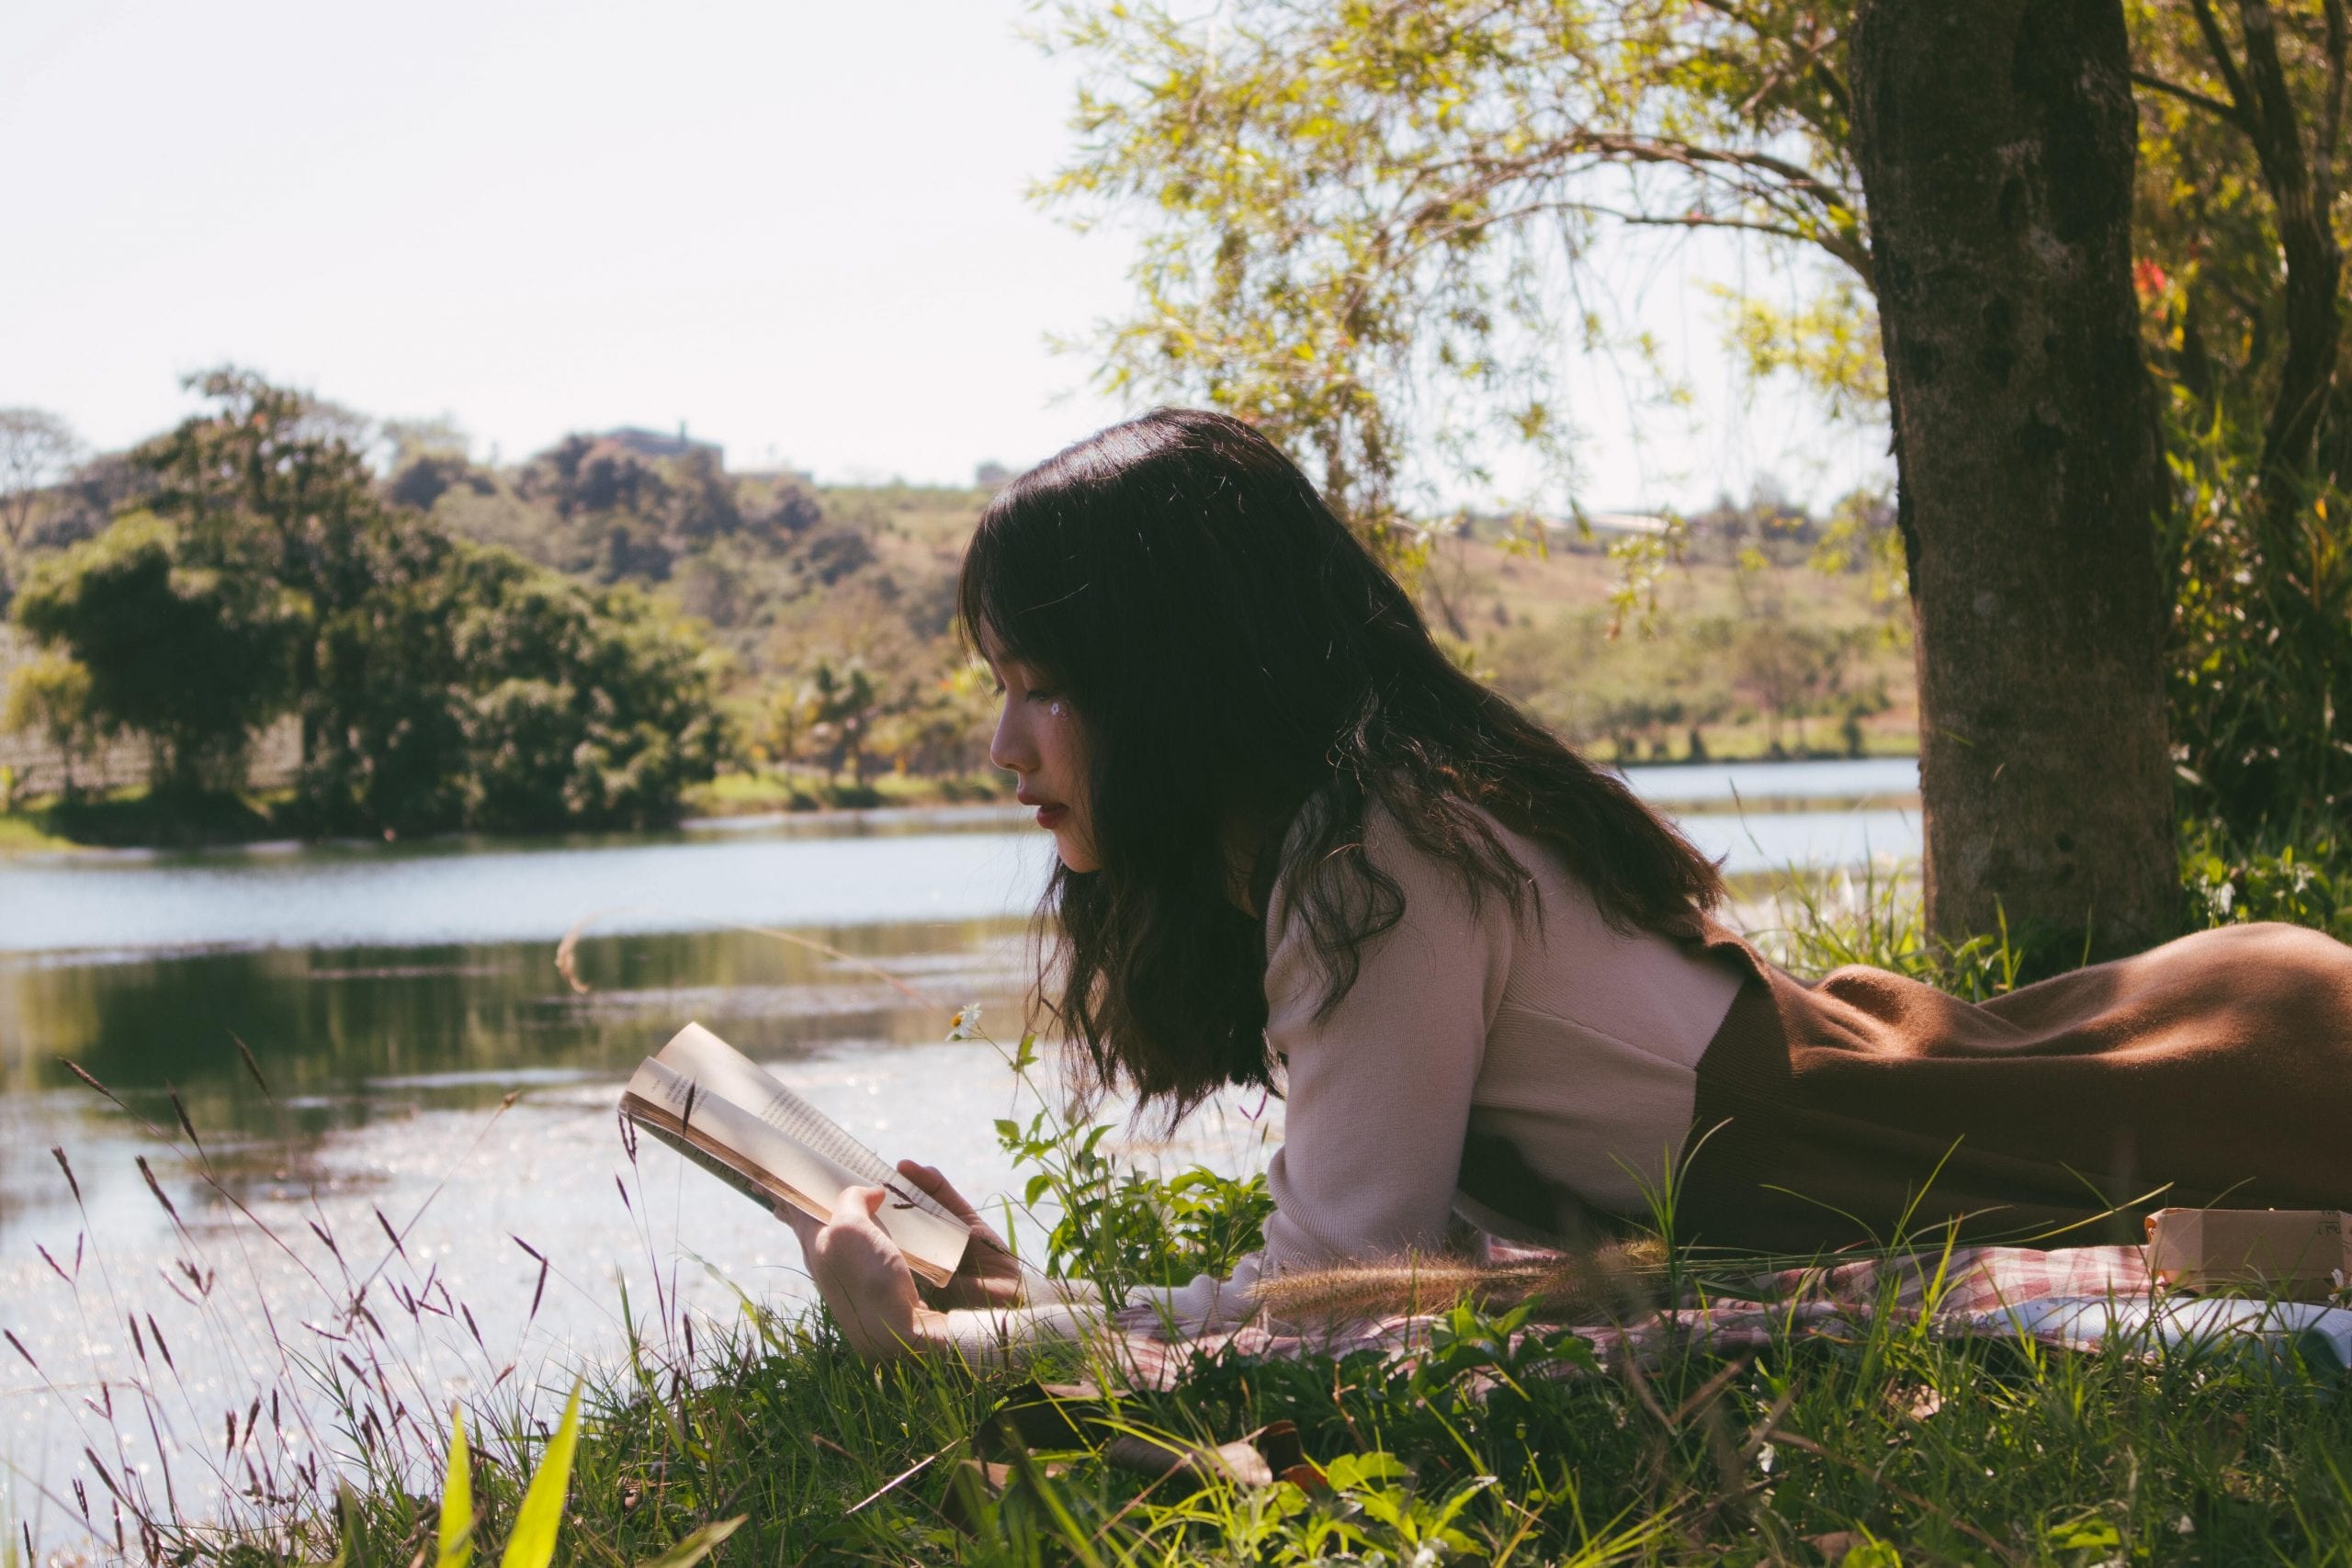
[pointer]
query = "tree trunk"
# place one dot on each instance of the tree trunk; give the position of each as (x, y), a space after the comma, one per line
(1996, 142)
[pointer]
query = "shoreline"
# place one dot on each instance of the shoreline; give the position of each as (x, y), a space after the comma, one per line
(124, 824)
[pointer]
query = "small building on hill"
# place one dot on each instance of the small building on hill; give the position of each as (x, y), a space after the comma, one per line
(639, 442)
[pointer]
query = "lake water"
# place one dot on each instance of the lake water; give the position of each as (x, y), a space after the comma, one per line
(392, 998)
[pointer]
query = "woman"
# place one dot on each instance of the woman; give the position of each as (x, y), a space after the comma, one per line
(1299, 847)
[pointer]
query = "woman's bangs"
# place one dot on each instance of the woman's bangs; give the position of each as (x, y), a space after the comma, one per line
(994, 634)
(1012, 599)
(980, 598)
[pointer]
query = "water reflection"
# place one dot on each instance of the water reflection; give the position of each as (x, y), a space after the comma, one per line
(344, 1034)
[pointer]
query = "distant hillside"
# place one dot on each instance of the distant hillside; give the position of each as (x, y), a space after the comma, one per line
(833, 605)
(1722, 635)
(776, 567)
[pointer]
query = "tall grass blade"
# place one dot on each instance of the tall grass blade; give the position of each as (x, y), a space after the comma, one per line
(533, 1543)
(455, 1541)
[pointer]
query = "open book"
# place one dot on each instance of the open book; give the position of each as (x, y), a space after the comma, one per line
(731, 1116)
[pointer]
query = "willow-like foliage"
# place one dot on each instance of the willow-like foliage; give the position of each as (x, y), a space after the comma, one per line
(1365, 226)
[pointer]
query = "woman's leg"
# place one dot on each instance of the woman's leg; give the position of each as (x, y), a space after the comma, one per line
(2215, 1069)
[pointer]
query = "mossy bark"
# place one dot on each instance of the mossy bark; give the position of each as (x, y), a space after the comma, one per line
(1995, 142)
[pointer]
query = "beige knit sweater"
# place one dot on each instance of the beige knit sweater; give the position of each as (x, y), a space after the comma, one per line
(1575, 1044)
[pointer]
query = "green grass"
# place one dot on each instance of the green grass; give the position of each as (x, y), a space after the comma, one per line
(139, 816)
(1814, 1450)
(22, 831)
(1890, 1445)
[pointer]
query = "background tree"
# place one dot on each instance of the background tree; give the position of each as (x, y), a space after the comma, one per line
(2241, 280)
(37, 450)
(577, 708)
(841, 705)
(50, 697)
(439, 683)
(1369, 224)
(428, 458)
(944, 725)
(192, 656)
(2272, 95)
(1370, 227)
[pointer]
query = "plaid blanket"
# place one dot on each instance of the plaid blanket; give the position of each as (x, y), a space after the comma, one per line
(2074, 1298)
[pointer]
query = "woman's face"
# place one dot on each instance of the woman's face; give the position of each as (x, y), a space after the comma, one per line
(1040, 740)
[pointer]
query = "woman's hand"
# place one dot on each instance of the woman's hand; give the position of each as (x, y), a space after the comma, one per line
(988, 1277)
(864, 1279)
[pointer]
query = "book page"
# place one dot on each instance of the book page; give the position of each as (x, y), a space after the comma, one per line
(809, 1175)
(698, 1053)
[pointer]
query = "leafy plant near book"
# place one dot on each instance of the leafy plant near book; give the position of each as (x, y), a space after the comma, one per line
(1117, 1225)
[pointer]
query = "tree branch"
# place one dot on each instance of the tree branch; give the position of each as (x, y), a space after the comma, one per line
(2227, 113)
(1790, 178)
(1753, 226)
(1831, 82)
(1643, 150)
(2265, 72)
(1809, 55)
(2339, 42)
(1790, 188)
(2314, 263)
(2224, 64)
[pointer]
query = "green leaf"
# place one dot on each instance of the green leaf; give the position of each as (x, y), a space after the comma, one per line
(1351, 1471)
(533, 1543)
(2091, 1534)
(455, 1547)
(1461, 1500)
(1576, 1350)
(697, 1546)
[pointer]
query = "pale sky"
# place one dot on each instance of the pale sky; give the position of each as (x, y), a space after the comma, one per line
(799, 227)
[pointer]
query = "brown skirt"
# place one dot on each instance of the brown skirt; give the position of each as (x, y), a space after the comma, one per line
(2214, 1070)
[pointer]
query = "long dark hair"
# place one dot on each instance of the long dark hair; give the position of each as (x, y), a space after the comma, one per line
(1234, 654)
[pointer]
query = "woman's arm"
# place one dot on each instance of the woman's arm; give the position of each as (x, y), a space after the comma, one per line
(1378, 1093)
(863, 1278)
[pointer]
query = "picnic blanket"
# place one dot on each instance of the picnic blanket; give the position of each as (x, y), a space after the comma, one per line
(2074, 1298)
